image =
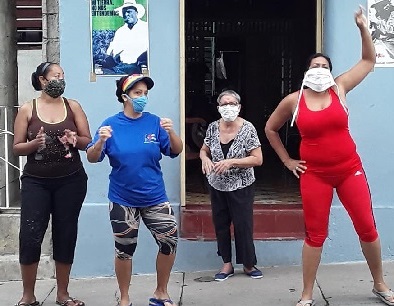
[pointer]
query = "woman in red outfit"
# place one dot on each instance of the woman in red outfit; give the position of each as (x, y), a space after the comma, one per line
(329, 160)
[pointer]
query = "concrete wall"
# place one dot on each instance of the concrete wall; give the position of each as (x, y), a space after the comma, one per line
(9, 246)
(28, 60)
(94, 254)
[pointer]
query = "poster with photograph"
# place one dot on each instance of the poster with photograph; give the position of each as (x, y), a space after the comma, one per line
(120, 36)
(381, 26)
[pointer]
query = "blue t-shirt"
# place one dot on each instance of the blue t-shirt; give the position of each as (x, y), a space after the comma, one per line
(134, 151)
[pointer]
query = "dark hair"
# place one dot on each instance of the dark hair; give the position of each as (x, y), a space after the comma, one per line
(41, 70)
(119, 90)
(308, 63)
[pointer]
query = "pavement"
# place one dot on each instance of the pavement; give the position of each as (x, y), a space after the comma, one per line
(340, 284)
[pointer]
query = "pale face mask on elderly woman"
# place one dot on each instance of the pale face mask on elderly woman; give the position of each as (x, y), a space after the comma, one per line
(318, 79)
(229, 112)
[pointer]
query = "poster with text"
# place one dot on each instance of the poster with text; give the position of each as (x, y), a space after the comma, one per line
(381, 26)
(120, 36)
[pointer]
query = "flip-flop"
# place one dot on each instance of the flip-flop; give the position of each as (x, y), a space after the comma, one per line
(70, 299)
(36, 303)
(306, 303)
(159, 302)
(384, 296)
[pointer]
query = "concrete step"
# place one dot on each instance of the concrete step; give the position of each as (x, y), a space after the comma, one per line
(9, 235)
(271, 222)
(10, 271)
(9, 249)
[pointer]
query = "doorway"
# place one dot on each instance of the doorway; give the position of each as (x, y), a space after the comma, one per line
(259, 49)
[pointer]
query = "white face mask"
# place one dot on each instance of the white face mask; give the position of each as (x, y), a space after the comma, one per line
(318, 79)
(229, 112)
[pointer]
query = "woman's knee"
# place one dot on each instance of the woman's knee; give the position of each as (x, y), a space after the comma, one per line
(64, 240)
(167, 241)
(29, 254)
(64, 248)
(125, 245)
(368, 236)
(30, 241)
(167, 249)
(125, 253)
(315, 240)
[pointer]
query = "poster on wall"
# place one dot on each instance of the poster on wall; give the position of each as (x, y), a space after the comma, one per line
(381, 26)
(119, 36)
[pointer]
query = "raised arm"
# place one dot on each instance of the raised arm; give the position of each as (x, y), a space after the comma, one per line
(351, 78)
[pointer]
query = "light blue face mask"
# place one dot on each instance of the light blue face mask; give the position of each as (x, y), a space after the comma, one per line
(138, 103)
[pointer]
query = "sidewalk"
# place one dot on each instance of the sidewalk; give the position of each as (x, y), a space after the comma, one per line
(343, 284)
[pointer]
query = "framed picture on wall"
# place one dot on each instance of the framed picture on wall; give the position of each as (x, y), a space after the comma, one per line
(381, 26)
(119, 36)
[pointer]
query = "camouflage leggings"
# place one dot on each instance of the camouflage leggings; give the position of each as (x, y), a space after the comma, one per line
(159, 219)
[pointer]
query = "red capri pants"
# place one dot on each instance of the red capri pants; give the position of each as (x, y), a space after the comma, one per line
(353, 191)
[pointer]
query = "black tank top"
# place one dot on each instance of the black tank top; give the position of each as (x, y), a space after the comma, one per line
(55, 160)
(226, 147)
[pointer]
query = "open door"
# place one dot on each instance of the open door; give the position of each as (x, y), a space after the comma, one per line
(259, 49)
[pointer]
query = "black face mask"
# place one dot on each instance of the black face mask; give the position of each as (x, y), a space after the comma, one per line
(55, 88)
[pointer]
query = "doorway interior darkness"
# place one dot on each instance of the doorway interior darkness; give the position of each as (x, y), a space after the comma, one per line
(263, 47)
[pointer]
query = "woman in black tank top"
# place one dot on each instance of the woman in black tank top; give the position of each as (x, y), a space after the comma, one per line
(50, 130)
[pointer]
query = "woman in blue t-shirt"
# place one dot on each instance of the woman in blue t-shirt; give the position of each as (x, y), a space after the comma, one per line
(134, 142)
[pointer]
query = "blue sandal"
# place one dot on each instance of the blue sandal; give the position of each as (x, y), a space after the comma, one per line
(159, 302)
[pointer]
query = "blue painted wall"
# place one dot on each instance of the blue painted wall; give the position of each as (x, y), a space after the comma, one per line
(370, 125)
(94, 254)
(370, 103)
(371, 109)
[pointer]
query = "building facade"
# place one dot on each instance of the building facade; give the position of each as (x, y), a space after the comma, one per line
(173, 68)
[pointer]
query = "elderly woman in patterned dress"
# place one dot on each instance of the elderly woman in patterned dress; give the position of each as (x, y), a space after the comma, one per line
(230, 151)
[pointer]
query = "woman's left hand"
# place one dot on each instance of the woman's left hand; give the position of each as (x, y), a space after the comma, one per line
(222, 166)
(166, 124)
(360, 18)
(69, 137)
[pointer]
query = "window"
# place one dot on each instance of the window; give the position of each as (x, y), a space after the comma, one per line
(29, 24)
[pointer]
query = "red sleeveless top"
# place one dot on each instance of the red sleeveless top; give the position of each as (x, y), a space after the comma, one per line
(55, 160)
(326, 143)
